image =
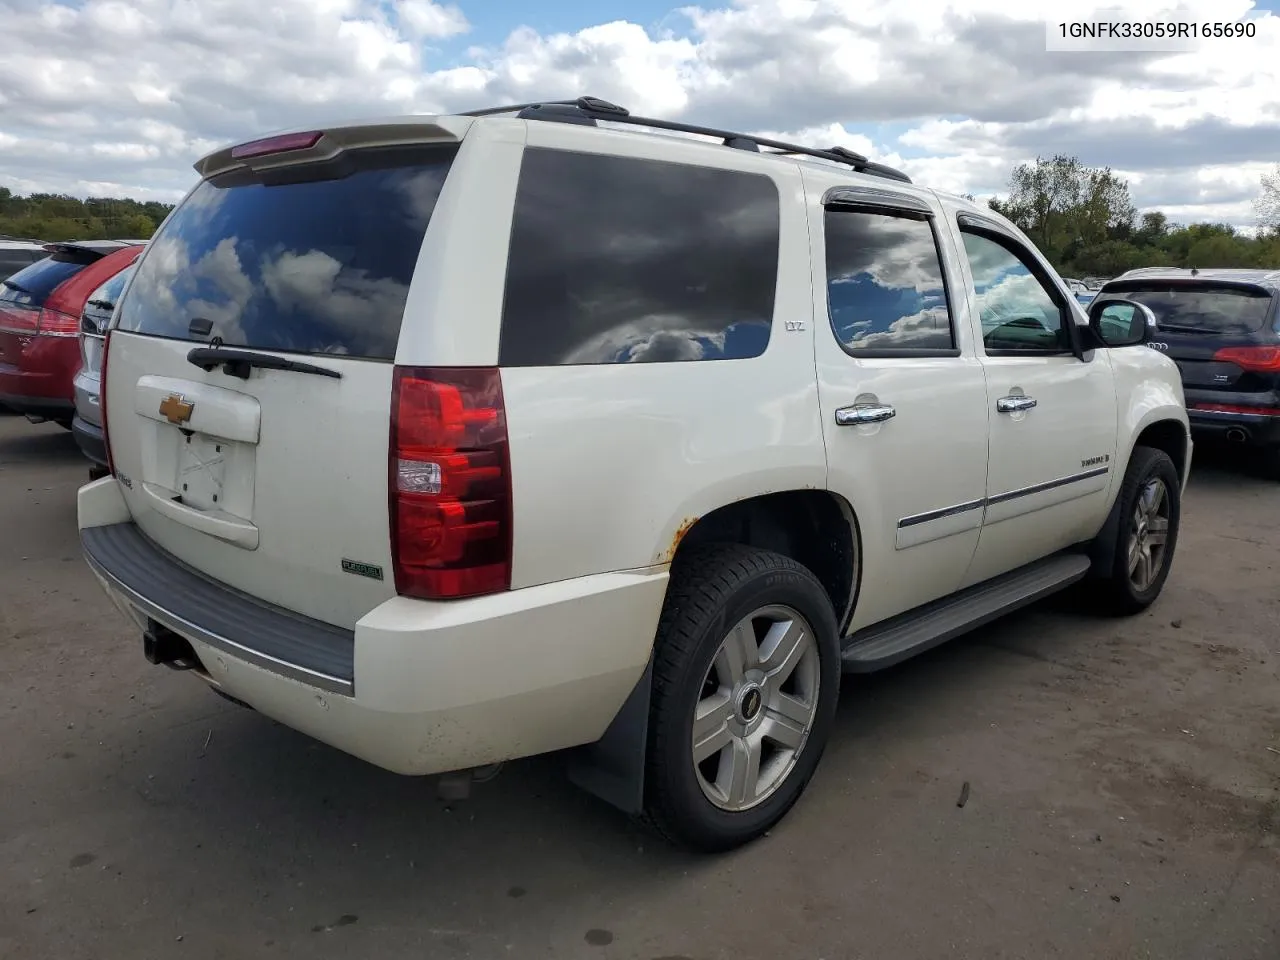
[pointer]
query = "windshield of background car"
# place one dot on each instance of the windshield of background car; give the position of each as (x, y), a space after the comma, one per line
(1201, 308)
(315, 258)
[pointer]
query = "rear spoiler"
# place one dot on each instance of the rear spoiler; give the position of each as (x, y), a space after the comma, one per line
(90, 250)
(317, 144)
(1247, 286)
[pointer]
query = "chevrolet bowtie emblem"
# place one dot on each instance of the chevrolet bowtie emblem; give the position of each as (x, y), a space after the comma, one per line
(176, 408)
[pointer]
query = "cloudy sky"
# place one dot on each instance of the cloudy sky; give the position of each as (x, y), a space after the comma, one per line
(120, 97)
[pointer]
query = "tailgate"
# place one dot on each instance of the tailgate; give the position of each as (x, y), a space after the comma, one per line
(273, 481)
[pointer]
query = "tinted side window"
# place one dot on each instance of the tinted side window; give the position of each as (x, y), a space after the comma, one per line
(620, 260)
(1016, 310)
(885, 288)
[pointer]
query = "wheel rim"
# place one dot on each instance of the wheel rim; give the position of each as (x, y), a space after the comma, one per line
(757, 705)
(1148, 534)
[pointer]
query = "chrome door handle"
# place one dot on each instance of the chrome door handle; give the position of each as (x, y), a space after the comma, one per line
(864, 413)
(1014, 404)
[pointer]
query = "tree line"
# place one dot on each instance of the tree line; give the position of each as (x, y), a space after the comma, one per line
(1081, 217)
(1084, 221)
(52, 217)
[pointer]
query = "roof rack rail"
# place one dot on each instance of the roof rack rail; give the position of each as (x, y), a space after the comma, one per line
(588, 110)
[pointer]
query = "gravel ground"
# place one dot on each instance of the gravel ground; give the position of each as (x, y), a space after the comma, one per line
(1124, 793)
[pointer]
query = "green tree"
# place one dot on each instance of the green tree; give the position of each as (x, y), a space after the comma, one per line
(1267, 207)
(1061, 203)
(55, 217)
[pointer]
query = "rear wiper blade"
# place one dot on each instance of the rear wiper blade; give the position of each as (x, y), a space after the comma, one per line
(1174, 328)
(101, 304)
(238, 363)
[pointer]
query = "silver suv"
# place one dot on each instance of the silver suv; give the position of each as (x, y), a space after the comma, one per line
(87, 423)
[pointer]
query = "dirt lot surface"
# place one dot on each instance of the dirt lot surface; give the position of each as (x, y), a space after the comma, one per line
(1124, 793)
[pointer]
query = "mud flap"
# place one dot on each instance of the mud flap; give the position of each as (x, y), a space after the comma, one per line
(612, 768)
(1102, 551)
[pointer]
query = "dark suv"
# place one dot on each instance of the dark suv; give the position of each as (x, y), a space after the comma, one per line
(1221, 327)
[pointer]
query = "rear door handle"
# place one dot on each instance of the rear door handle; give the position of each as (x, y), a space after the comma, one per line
(864, 413)
(1014, 404)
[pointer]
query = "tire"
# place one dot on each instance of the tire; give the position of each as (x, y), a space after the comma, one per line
(718, 595)
(1124, 589)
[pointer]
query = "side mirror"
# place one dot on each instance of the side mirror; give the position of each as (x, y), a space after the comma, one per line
(1116, 322)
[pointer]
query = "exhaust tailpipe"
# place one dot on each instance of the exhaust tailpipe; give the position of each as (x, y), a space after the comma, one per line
(1237, 435)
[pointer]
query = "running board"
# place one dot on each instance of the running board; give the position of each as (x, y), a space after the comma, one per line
(885, 644)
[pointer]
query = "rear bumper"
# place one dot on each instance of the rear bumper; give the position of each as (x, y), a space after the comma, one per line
(416, 687)
(1262, 428)
(89, 439)
(60, 410)
(1255, 429)
(40, 371)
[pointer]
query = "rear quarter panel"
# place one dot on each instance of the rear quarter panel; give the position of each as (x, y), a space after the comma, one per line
(612, 463)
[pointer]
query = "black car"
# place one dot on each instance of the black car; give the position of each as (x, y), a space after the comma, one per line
(1223, 329)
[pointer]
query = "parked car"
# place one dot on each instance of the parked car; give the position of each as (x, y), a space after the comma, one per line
(40, 316)
(40, 324)
(1080, 290)
(1222, 328)
(17, 253)
(452, 440)
(87, 422)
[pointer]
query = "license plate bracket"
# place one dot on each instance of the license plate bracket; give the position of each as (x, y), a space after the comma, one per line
(201, 473)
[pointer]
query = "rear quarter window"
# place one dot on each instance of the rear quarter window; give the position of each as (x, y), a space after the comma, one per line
(623, 260)
(312, 259)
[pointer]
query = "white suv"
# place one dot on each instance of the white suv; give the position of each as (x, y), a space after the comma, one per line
(450, 440)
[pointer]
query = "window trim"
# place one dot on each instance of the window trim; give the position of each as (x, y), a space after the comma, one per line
(1002, 237)
(852, 196)
(835, 202)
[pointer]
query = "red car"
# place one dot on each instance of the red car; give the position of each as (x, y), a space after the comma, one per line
(40, 309)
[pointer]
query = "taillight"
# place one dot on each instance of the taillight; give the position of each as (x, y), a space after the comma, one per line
(55, 323)
(450, 483)
(1256, 359)
(102, 403)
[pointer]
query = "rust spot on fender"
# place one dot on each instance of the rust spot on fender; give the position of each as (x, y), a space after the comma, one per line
(685, 526)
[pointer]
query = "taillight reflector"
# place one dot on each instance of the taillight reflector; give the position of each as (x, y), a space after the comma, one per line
(102, 403)
(281, 144)
(1256, 359)
(450, 483)
(1237, 408)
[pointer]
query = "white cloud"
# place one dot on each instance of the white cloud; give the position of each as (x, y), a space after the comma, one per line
(129, 93)
(422, 18)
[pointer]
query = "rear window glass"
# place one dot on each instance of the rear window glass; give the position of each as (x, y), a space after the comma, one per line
(101, 303)
(33, 284)
(1200, 309)
(311, 259)
(622, 260)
